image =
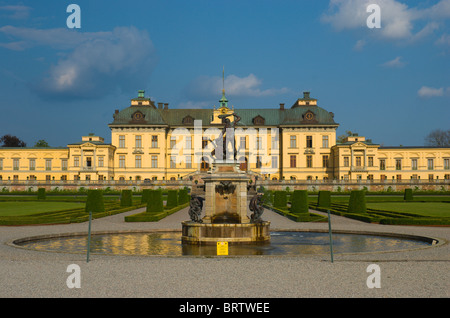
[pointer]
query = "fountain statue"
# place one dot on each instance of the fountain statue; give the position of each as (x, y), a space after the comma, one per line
(225, 204)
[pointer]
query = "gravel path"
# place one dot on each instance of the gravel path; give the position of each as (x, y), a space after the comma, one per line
(418, 273)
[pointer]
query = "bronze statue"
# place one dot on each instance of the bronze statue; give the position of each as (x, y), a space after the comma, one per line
(221, 141)
(195, 208)
(257, 208)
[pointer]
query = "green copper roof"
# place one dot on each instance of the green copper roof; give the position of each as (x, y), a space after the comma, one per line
(271, 117)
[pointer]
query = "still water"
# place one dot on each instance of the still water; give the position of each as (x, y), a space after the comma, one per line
(169, 244)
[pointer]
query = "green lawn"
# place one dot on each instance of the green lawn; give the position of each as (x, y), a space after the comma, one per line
(432, 209)
(28, 208)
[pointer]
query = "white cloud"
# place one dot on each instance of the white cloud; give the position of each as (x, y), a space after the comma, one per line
(206, 87)
(15, 11)
(426, 91)
(398, 21)
(359, 45)
(93, 64)
(395, 63)
(443, 40)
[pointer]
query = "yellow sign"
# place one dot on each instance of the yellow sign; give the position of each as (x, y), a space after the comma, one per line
(222, 248)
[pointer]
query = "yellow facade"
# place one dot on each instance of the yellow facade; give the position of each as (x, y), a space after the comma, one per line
(150, 142)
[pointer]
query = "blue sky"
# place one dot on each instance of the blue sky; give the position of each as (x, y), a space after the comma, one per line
(390, 84)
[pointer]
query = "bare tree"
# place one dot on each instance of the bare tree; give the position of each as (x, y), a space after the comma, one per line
(438, 138)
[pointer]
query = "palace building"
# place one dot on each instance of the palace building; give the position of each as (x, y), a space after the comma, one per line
(152, 142)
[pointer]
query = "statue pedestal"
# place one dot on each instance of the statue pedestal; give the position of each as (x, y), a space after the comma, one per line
(225, 207)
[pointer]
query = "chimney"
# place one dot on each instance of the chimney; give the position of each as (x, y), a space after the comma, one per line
(282, 106)
(116, 111)
(306, 95)
(160, 105)
(166, 106)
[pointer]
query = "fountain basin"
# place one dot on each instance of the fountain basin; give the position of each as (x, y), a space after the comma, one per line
(234, 233)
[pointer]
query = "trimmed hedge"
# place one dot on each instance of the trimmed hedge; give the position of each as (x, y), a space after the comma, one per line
(154, 216)
(172, 199)
(408, 195)
(183, 196)
(357, 202)
(324, 199)
(145, 195)
(94, 201)
(155, 201)
(126, 198)
(280, 199)
(41, 194)
(299, 202)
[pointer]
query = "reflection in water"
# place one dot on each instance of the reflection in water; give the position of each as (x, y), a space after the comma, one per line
(169, 243)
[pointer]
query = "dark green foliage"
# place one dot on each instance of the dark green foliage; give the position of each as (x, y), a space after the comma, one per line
(172, 199)
(268, 197)
(126, 198)
(408, 196)
(183, 196)
(299, 202)
(94, 201)
(357, 202)
(145, 194)
(41, 194)
(324, 199)
(155, 201)
(280, 199)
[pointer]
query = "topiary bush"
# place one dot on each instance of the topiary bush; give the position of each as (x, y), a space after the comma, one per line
(408, 196)
(126, 199)
(145, 194)
(41, 194)
(357, 202)
(299, 202)
(94, 201)
(155, 201)
(280, 199)
(172, 199)
(183, 196)
(324, 199)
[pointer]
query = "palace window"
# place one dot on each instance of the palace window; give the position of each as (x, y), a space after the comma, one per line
(138, 141)
(370, 161)
(32, 164)
(414, 164)
(121, 141)
(76, 161)
(154, 161)
(258, 162)
(173, 142)
(243, 142)
(446, 163)
(64, 164)
(15, 164)
(382, 164)
(188, 162)
(274, 162)
(100, 161)
(308, 161)
(325, 161)
(137, 162)
(188, 142)
(121, 161)
(324, 141)
(346, 162)
(154, 141)
(258, 142)
(398, 164)
(275, 142)
(48, 164)
(358, 161)
(309, 142)
(1, 163)
(430, 164)
(293, 142)
(173, 162)
(293, 161)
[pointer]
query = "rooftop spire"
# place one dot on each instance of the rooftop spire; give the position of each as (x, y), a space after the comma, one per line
(223, 101)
